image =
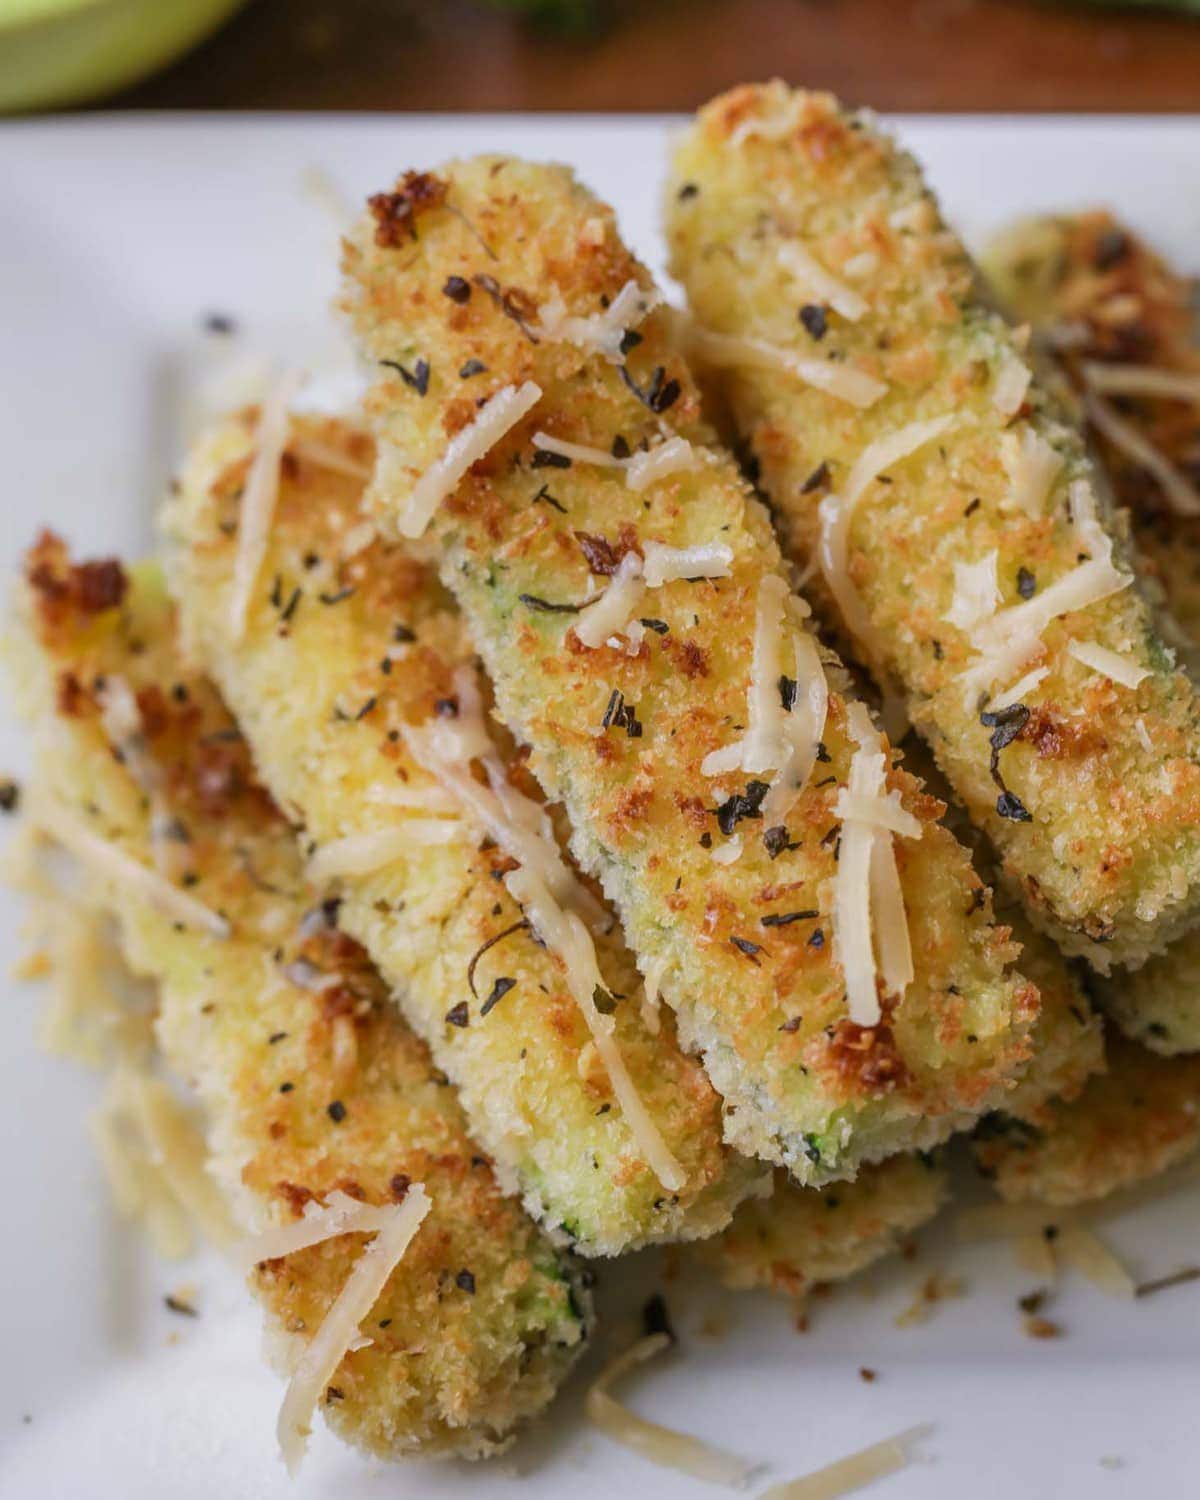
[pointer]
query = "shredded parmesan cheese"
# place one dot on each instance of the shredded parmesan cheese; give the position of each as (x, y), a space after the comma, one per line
(339, 1329)
(364, 853)
(655, 970)
(1143, 380)
(615, 607)
(603, 332)
(154, 1157)
(110, 862)
(578, 453)
(552, 899)
(325, 456)
(664, 564)
(661, 1445)
(675, 456)
(642, 469)
(853, 1472)
(475, 441)
(728, 351)
(867, 890)
(1018, 690)
(976, 592)
(776, 739)
(1032, 466)
(259, 498)
(764, 746)
(1013, 636)
(1087, 1253)
(341, 1214)
(609, 616)
(1180, 493)
(1108, 663)
(1012, 382)
(837, 511)
(821, 284)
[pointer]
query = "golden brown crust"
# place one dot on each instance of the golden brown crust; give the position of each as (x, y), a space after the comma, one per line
(310, 1080)
(645, 818)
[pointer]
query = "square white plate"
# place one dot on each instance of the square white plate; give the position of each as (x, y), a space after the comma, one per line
(117, 236)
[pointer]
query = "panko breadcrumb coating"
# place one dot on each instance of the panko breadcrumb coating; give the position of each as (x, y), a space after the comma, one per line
(341, 651)
(800, 227)
(801, 1237)
(311, 1081)
(1112, 311)
(1136, 1119)
(468, 288)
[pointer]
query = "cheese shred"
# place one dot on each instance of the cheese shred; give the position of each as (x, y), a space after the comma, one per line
(836, 512)
(554, 901)
(721, 351)
(339, 1329)
(853, 1472)
(467, 447)
(259, 498)
(665, 1446)
(870, 925)
(110, 862)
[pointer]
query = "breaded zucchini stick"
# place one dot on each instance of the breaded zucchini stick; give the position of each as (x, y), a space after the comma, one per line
(627, 596)
(800, 1237)
(951, 514)
(1133, 1121)
(348, 643)
(312, 1083)
(1068, 1037)
(1122, 324)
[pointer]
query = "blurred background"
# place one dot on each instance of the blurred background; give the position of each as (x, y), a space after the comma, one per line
(595, 54)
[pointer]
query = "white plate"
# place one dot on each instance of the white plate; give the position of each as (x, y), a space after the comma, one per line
(116, 236)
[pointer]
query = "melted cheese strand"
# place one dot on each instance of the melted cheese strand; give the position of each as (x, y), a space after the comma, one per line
(339, 1329)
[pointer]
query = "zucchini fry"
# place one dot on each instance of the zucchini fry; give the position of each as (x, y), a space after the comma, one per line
(540, 433)
(955, 519)
(1136, 1119)
(311, 1082)
(342, 651)
(799, 1237)
(1121, 323)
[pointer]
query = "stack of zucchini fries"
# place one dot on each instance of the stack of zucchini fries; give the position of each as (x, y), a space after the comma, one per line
(559, 804)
